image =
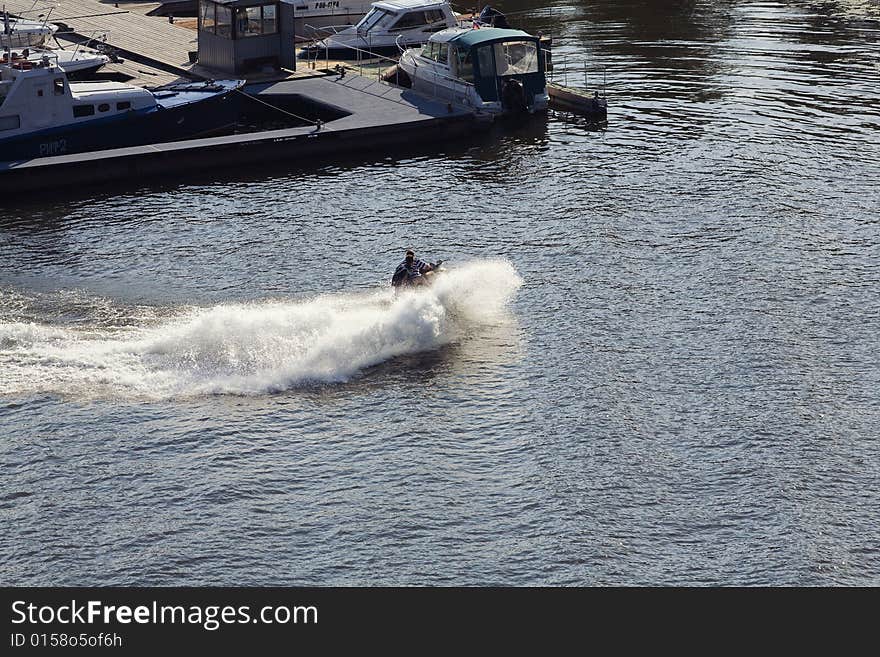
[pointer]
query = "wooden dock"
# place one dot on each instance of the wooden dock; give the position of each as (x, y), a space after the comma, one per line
(128, 31)
(155, 51)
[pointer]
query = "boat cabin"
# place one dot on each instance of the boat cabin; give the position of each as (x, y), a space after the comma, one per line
(489, 57)
(397, 16)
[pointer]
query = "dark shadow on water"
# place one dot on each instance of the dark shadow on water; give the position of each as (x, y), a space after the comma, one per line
(490, 142)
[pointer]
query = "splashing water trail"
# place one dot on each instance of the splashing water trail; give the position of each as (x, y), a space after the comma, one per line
(247, 348)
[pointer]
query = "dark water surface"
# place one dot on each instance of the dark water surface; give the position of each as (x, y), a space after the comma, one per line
(654, 359)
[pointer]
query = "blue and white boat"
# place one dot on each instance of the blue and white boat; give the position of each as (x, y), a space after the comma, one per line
(42, 113)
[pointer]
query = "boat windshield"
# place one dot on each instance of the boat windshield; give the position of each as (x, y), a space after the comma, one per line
(516, 57)
(438, 52)
(374, 17)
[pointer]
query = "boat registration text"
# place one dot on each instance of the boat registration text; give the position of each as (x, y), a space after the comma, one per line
(57, 147)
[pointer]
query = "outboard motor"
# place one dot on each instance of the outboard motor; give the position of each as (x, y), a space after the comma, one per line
(493, 17)
(513, 96)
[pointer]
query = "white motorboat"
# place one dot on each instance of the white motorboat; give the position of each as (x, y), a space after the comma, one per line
(389, 26)
(79, 64)
(490, 70)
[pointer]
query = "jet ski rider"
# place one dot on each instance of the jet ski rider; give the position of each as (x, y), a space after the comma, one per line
(411, 270)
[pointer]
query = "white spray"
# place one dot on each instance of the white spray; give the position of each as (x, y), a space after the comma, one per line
(253, 348)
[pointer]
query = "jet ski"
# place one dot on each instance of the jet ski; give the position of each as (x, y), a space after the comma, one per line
(422, 280)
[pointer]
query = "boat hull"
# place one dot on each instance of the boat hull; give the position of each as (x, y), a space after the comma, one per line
(344, 53)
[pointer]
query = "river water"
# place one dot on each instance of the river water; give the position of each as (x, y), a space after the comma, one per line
(653, 360)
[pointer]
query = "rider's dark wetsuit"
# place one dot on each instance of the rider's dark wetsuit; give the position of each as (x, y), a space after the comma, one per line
(409, 272)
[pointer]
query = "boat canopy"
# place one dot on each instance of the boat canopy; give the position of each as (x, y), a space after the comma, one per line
(489, 58)
(470, 38)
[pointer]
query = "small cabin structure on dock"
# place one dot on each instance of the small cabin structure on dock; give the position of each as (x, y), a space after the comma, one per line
(243, 36)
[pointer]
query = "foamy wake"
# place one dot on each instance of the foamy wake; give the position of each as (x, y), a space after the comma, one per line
(253, 348)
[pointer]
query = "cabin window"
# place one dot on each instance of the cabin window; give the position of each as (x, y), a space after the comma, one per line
(410, 20)
(104, 107)
(207, 16)
(124, 105)
(10, 122)
(224, 21)
(255, 21)
(434, 16)
(248, 22)
(516, 57)
(83, 110)
(270, 25)
(58, 86)
(439, 52)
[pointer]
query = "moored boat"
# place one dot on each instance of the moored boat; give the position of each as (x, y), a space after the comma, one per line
(492, 71)
(42, 113)
(23, 33)
(78, 64)
(389, 26)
